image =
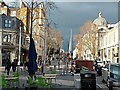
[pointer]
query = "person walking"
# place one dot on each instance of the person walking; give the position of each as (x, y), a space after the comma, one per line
(58, 63)
(14, 65)
(99, 71)
(8, 66)
(72, 68)
(96, 65)
(64, 69)
(25, 65)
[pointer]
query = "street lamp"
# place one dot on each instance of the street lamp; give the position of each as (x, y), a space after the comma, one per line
(19, 55)
(45, 50)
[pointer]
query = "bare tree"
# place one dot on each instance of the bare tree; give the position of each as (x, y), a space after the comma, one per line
(86, 27)
(54, 39)
(79, 43)
(88, 38)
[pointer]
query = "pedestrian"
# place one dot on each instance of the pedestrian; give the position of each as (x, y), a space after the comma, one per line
(8, 66)
(99, 71)
(72, 68)
(5, 67)
(58, 63)
(96, 65)
(96, 68)
(54, 63)
(40, 60)
(14, 65)
(77, 68)
(25, 65)
(64, 70)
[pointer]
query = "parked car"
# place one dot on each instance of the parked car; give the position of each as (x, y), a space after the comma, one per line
(114, 76)
(100, 63)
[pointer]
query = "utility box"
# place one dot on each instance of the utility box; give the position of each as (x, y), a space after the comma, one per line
(88, 80)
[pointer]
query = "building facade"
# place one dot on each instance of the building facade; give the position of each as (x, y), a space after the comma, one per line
(23, 13)
(108, 40)
(109, 44)
(10, 35)
(4, 8)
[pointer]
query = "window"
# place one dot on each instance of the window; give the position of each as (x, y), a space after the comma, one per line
(8, 23)
(117, 60)
(113, 53)
(34, 25)
(34, 22)
(6, 38)
(34, 14)
(108, 54)
(2, 12)
(13, 13)
(17, 39)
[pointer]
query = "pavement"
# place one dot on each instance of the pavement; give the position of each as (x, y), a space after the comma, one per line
(100, 84)
(65, 81)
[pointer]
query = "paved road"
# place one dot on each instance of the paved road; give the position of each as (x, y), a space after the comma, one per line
(62, 81)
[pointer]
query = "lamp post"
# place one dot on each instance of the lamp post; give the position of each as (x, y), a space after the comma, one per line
(19, 55)
(45, 50)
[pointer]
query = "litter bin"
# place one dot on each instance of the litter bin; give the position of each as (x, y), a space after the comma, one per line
(88, 80)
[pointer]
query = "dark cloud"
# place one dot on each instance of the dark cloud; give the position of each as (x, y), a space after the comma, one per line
(72, 15)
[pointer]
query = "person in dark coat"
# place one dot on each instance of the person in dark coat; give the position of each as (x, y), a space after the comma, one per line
(72, 68)
(8, 66)
(14, 65)
(77, 69)
(99, 71)
(25, 65)
(96, 65)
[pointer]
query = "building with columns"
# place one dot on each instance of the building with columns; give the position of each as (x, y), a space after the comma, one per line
(108, 45)
(107, 41)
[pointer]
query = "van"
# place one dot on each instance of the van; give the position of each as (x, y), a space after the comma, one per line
(114, 75)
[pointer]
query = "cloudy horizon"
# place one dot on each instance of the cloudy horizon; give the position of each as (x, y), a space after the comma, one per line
(72, 15)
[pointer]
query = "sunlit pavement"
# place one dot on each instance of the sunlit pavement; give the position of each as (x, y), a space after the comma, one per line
(65, 81)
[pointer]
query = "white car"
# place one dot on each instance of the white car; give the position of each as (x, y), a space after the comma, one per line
(100, 63)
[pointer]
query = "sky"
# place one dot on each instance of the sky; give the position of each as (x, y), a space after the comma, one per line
(66, 0)
(72, 15)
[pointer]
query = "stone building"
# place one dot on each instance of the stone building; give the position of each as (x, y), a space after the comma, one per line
(23, 12)
(108, 45)
(9, 38)
(107, 41)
